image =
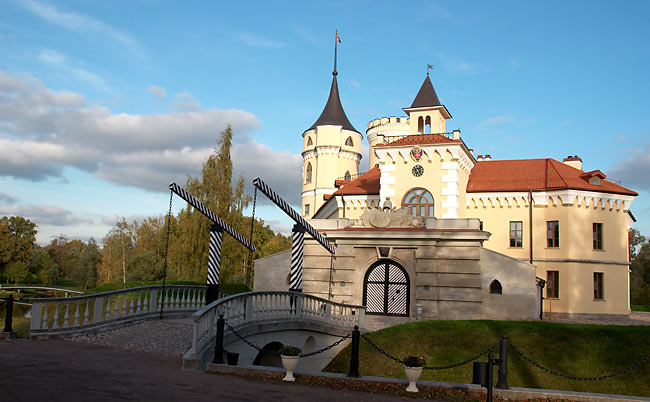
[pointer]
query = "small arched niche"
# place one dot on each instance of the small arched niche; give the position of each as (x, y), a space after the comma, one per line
(495, 288)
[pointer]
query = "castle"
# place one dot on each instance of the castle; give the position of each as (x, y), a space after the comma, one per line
(431, 231)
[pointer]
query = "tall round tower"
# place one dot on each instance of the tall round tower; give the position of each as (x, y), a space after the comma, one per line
(331, 151)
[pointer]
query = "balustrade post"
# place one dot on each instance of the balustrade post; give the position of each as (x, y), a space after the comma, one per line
(502, 381)
(98, 309)
(218, 347)
(354, 353)
(153, 300)
(37, 319)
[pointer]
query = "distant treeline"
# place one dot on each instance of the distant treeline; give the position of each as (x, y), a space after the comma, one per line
(135, 251)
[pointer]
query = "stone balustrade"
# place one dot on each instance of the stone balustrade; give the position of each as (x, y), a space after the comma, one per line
(260, 307)
(62, 316)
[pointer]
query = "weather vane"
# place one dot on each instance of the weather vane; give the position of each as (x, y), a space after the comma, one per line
(429, 67)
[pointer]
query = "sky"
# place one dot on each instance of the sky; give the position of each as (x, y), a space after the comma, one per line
(103, 104)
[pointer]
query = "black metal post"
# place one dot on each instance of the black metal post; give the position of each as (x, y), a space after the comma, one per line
(502, 382)
(354, 353)
(490, 375)
(10, 313)
(218, 347)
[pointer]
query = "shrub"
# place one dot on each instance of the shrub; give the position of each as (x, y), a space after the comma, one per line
(290, 351)
(413, 361)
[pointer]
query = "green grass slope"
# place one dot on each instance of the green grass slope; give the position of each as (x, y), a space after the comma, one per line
(576, 350)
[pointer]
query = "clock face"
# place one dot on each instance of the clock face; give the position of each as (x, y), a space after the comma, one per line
(417, 170)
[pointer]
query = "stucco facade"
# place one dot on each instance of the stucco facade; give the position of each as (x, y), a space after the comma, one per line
(540, 221)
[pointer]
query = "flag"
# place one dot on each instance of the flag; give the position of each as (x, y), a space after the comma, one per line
(429, 66)
(337, 37)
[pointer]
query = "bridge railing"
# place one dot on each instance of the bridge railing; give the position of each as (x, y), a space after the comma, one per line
(67, 315)
(251, 307)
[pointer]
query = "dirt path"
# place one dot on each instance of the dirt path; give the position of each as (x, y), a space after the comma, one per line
(59, 370)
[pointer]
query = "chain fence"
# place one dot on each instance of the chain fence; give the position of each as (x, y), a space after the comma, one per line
(471, 359)
(602, 377)
(254, 346)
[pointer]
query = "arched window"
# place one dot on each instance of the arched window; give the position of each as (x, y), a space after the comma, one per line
(427, 125)
(495, 288)
(420, 124)
(308, 173)
(349, 142)
(347, 176)
(419, 202)
(309, 142)
(386, 289)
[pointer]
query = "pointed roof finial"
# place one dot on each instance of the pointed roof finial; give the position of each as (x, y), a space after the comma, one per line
(337, 40)
(333, 114)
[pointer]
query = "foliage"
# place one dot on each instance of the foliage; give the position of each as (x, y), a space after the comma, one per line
(578, 350)
(640, 276)
(290, 351)
(17, 271)
(634, 241)
(117, 250)
(641, 307)
(414, 361)
(17, 240)
(145, 267)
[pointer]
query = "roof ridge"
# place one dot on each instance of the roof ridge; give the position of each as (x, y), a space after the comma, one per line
(551, 160)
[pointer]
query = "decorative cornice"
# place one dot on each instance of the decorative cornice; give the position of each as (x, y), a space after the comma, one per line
(567, 197)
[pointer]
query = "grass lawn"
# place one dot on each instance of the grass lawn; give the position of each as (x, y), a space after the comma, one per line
(577, 350)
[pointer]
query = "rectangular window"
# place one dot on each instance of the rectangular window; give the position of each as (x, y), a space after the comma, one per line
(598, 236)
(598, 286)
(553, 284)
(515, 234)
(306, 209)
(552, 234)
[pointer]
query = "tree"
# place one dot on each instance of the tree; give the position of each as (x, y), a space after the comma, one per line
(85, 264)
(640, 271)
(17, 271)
(145, 267)
(44, 266)
(117, 250)
(634, 241)
(17, 240)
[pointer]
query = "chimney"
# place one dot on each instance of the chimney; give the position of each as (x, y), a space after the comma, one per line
(488, 157)
(574, 161)
(479, 158)
(456, 134)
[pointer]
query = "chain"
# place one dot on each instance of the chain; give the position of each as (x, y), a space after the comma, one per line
(254, 346)
(603, 377)
(169, 219)
(471, 359)
(250, 251)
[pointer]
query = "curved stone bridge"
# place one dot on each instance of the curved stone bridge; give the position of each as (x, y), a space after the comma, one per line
(270, 320)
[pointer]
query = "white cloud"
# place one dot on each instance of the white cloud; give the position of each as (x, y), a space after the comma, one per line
(111, 220)
(80, 23)
(494, 121)
(455, 65)
(42, 131)
(185, 102)
(633, 172)
(45, 214)
(61, 62)
(356, 84)
(157, 92)
(259, 41)
(7, 199)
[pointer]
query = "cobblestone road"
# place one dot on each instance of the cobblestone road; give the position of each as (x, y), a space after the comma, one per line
(166, 337)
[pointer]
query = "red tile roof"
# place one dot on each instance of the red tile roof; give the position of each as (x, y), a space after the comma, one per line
(534, 174)
(367, 183)
(421, 139)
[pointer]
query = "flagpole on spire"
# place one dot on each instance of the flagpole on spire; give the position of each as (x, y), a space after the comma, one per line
(336, 40)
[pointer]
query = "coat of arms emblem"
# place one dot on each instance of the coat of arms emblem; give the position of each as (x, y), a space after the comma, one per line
(416, 153)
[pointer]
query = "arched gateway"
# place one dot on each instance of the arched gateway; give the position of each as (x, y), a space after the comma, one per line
(386, 289)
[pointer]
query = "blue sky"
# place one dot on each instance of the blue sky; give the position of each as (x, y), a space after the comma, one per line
(102, 104)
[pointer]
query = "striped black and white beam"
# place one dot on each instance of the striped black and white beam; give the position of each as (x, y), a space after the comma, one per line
(214, 254)
(297, 252)
(193, 201)
(282, 204)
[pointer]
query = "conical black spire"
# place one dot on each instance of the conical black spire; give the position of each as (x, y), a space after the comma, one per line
(427, 96)
(333, 114)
